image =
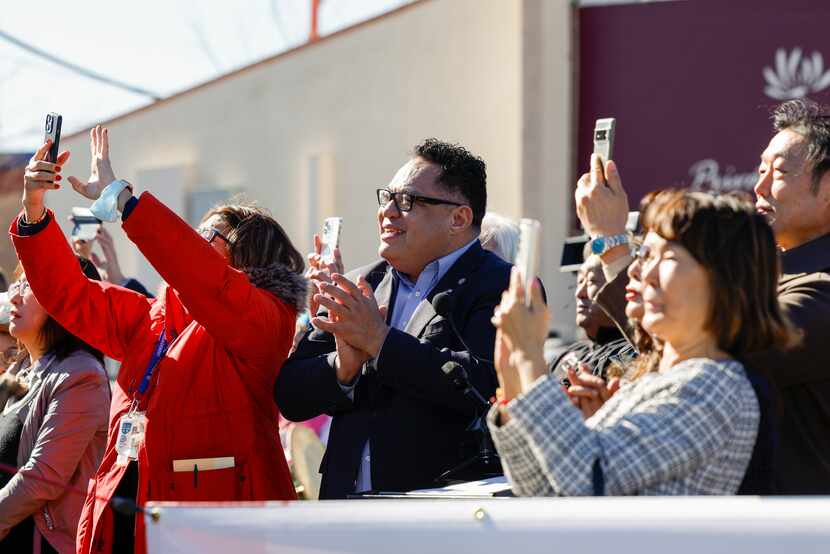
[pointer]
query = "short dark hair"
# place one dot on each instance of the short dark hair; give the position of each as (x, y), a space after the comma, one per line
(812, 121)
(461, 171)
(256, 239)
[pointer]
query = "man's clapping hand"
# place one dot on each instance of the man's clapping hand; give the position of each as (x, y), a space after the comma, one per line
(356, 321)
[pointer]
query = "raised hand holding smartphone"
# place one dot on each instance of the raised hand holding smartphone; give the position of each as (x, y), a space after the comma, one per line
(604, 131)
(52, 131)
(43, 171)
(527, 257)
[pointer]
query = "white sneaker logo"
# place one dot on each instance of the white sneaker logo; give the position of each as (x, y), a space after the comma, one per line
(794, 76)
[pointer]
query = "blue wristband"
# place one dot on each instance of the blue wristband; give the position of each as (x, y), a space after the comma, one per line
(106, 207)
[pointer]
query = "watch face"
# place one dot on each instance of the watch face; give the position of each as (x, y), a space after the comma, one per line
(598, 245)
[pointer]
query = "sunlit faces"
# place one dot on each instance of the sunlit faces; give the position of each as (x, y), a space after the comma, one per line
(784, 193)
(589, 281)
(676, 292)
(410, 240)
(27, 317)
(219, 242)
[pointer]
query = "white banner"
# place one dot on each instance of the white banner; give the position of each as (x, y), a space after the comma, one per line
(503, 526)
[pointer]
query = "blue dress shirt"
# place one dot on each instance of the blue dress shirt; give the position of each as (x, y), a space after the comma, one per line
(408, 297)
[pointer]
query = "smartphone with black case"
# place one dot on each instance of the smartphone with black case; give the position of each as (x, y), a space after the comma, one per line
(52, 130)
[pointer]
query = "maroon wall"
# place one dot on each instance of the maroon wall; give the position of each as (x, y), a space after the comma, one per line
(687, 83)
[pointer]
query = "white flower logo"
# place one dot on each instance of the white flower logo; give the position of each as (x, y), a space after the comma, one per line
(794, 76)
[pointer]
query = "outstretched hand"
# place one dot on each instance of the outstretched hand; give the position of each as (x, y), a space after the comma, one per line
(101, 173)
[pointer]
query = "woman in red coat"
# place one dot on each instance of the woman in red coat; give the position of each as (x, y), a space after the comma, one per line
(198, 363)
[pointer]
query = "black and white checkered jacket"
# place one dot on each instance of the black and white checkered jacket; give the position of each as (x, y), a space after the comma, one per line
(687, 431)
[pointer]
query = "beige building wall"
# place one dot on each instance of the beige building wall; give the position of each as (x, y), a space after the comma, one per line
(313, 132)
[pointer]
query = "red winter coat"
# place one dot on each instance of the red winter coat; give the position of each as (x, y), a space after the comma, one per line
(211, 395)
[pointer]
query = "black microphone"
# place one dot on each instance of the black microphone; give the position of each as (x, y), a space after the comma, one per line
(486, 462)
(461, 380)
(443, 304)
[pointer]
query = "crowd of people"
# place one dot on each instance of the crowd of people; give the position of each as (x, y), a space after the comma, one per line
(701, 370)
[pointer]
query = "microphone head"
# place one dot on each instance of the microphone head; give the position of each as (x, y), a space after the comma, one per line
(442, 303)
(449, 367)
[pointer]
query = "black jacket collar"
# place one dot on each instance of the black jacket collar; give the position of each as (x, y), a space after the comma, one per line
(810, 257)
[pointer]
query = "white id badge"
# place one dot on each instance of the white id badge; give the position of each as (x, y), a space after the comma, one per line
(131, 428)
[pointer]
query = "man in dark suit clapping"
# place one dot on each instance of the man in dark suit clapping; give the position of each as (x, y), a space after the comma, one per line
(373, 359)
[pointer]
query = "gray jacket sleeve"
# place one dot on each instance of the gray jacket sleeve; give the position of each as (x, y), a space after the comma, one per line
(78, 408)
(666, 435)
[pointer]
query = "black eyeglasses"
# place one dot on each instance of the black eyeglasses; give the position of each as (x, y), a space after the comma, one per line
(210, 234)
(404, 200)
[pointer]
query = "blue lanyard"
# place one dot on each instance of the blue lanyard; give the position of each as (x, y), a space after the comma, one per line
(158, 354)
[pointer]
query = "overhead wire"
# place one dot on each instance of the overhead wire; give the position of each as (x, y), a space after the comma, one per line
(88, 73)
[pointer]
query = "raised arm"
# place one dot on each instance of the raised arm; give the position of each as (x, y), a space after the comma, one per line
(246, 319)
(237, 314)
(105, 316)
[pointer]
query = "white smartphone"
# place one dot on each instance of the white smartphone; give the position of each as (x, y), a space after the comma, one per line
(85, 224)
(604, 139)
(330, 238)
(527, 256)
(5, 308)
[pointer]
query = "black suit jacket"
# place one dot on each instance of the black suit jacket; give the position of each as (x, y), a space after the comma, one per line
(802, 374)
(403, 402)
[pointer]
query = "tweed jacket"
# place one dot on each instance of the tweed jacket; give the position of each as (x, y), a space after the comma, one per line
(688, 431)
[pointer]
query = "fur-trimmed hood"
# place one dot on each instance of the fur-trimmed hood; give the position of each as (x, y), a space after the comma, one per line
(277, 279)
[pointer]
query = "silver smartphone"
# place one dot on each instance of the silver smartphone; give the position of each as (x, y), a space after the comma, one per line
(527, 256)
(330, 238)
(85, 225)
(604, 139)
